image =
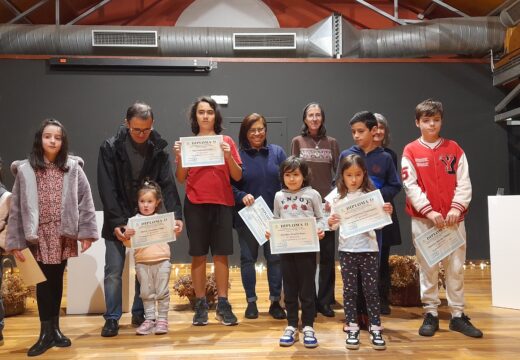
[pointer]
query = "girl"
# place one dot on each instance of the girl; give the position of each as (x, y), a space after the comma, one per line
(208, 209)
(152, 265)
(391, 234)
(358, 253)
(297, 199)
(51, 209)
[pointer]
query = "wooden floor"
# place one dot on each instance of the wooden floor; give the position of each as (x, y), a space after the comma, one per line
(259, 338)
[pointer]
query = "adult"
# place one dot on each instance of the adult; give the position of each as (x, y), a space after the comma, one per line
(136, 152)
(5, 200)
(391, 233)
(321, 153)
(260, 177)
(208, 208)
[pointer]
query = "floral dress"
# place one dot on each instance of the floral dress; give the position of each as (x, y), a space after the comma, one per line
(52, 248)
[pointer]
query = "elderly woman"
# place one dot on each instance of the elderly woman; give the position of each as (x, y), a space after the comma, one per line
(321, 153)
(260, 168)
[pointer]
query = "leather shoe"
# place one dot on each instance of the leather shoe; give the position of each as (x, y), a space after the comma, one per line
(326, 310)
(111, 328)
(276, 311)
(137, 320)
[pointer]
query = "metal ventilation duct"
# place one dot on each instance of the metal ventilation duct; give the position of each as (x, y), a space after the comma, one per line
(331, 37)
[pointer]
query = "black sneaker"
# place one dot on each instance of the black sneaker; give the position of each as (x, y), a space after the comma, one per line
(429, 326)
(251, 310)
(463, 325)
(225, 315)
(111, 328)
(376, 338)
(137, 320)
(200, 317)
(352, 341)
(276, 311)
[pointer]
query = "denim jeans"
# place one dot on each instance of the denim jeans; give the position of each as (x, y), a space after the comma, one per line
(114, 264)
(248, 256)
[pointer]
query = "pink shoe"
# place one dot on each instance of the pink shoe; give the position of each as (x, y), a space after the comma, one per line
(161, 327)
(146, 327)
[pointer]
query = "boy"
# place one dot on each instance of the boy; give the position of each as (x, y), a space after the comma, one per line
(381, 170)
(438, 191)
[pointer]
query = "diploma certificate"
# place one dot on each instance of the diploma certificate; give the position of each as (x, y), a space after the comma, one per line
(293, 235)
(362, 214)
(435, 244)
(202, 151)
(154, 229)
(256, 218)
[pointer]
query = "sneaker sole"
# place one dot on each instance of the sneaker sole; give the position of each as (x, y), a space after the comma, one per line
(200, 323)
(379, 347)
(251, 316)
(219, 318)
(286, 344)
(161, 332)
(428, 334)
(310, 346)
(476, 336)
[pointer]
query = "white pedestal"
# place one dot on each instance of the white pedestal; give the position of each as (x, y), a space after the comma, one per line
(85, 275)
(504, 245)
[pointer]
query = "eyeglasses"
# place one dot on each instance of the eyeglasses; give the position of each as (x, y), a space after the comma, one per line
(138, 131)
(256, 131)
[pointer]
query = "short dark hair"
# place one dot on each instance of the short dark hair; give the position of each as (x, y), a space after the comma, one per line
(428, 107)
(292, 163)
(366, 117)
(346, 162)
(248, 121)
(140, 110)
(36, 156)
(193, 114)
(322, 131)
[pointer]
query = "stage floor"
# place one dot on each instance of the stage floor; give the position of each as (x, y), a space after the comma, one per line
(259, 338)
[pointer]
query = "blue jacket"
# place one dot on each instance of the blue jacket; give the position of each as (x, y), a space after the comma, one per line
(260, 176)
(381, 169)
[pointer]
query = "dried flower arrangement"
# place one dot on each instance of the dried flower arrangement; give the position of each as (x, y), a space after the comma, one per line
(183, 287)
(14, 291)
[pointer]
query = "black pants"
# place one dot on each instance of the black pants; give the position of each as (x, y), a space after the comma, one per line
(384, 274)
(49, 292)
(298, 272)
(327, 275)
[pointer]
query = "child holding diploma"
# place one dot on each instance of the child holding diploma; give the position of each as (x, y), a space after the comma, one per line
(152, 265)
(297, 199)
(51, 209)
(358, 254)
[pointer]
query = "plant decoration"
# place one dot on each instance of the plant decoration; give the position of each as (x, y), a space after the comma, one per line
(14, 291)
(183, 287)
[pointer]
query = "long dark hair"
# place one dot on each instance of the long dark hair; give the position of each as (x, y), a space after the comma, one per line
(322, 131)
(248, 121)
(195, 129)
(292, 163)
(36, 156)
(347, 162)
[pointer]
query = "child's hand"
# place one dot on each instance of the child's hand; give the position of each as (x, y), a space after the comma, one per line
(227, 150)
(452, 217)
(248, 200)
(327, 206)
(321, 233)
(388, 208)
(436, 218)
(178, 227)
(85, 244)
(333, 220)
(267, 235)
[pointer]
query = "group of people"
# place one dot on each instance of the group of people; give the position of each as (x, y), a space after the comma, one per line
(51, 208)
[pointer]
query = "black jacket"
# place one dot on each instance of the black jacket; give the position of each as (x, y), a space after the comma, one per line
(117, 190)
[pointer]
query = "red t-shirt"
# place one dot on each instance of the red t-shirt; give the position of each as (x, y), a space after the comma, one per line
(211, 184)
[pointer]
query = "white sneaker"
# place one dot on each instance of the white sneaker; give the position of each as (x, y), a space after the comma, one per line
(309, 337)
(289, 337)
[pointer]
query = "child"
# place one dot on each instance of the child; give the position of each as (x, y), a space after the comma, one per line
(438, 191)
(297, 199)
(208, 209)
(391, 234)
(152, 265)
(358, 253)
(51, 209)
(5, 199)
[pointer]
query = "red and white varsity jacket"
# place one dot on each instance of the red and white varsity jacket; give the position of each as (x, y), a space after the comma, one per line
(435, 178)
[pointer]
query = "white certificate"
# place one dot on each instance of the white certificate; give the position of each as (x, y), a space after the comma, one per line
(202, 151)
(154, 229)
(293, 235)
(361, 214)
(256, 218)
(435, 244)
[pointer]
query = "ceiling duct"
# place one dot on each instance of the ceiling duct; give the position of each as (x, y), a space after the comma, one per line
(510, 16)
(264, 41)
(123, 38)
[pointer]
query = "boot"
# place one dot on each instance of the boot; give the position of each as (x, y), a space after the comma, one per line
(45, 341)
(59, 339)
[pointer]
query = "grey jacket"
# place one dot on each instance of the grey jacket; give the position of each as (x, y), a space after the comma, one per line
(78, 217)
